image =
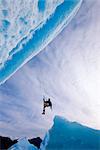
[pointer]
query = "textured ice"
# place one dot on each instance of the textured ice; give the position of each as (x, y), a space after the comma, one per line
(23, 144)
(39, 39)
(65, 135)
(18, 18)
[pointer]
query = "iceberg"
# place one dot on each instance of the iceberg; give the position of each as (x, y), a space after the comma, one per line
(39, 38)
(65, 135)
(23, 144)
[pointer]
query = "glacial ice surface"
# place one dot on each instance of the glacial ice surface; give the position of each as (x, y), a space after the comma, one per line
(38, 39)
(23, 144)
(18, 18)
(65, 135)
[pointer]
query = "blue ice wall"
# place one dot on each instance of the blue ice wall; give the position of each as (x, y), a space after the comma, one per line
(65, 135)
(40, 38)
